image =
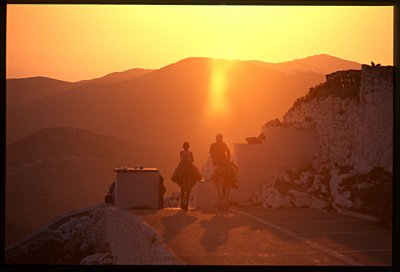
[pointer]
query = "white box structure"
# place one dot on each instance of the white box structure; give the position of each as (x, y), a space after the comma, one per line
(138, 187)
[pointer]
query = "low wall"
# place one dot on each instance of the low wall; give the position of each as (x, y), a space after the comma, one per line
(99, 234)
(283, 149)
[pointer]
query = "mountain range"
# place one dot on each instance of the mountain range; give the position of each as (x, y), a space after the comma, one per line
(169, 105)
(22, 91)
(322, 63)
(58, 157)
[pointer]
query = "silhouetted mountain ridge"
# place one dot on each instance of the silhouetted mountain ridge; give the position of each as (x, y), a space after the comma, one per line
(22, 91)
(119, 76)
(322, 63)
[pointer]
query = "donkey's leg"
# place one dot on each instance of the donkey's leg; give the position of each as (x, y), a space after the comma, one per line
(226, 195)
(218, 184)
(182, 196)
(187, 198)
(185, 204)
(184, 193)
(187, 193)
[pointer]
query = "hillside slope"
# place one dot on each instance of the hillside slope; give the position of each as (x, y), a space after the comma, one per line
(59, 169)
(163, 108)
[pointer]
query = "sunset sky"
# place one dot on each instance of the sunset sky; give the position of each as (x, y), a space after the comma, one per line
(76, 42)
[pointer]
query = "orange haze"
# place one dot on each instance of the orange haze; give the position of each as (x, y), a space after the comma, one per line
(201, 88)
(75, 42)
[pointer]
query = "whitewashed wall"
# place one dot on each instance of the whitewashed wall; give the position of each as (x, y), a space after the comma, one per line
(283, 149)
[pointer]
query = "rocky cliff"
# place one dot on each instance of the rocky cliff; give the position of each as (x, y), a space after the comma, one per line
(353, 122)
(352, 117)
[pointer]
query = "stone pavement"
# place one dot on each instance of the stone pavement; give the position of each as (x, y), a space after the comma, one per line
(258, 236)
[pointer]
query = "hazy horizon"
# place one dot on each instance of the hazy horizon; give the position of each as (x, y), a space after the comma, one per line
(163, 65)
(78, 42)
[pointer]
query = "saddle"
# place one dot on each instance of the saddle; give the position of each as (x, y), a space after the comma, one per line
(226, 171)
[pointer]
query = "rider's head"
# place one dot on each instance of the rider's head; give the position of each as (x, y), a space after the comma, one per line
(186, 145)
(219, 137)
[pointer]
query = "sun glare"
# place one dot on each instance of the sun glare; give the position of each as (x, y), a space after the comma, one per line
(218, 87)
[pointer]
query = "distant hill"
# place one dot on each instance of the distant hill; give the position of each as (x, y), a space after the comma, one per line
(59, 169)
(119, 76)
(22, 91)
(324, 64)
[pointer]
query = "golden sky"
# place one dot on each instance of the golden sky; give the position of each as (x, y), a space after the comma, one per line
(75, 42)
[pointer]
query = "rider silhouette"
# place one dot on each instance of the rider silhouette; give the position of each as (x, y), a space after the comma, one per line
(219, 151)
(220, 156)
(185, 175)
(186, 155)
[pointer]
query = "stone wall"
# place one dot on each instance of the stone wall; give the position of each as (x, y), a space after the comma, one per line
(375, 131)
(343, 79)
(283, 149)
